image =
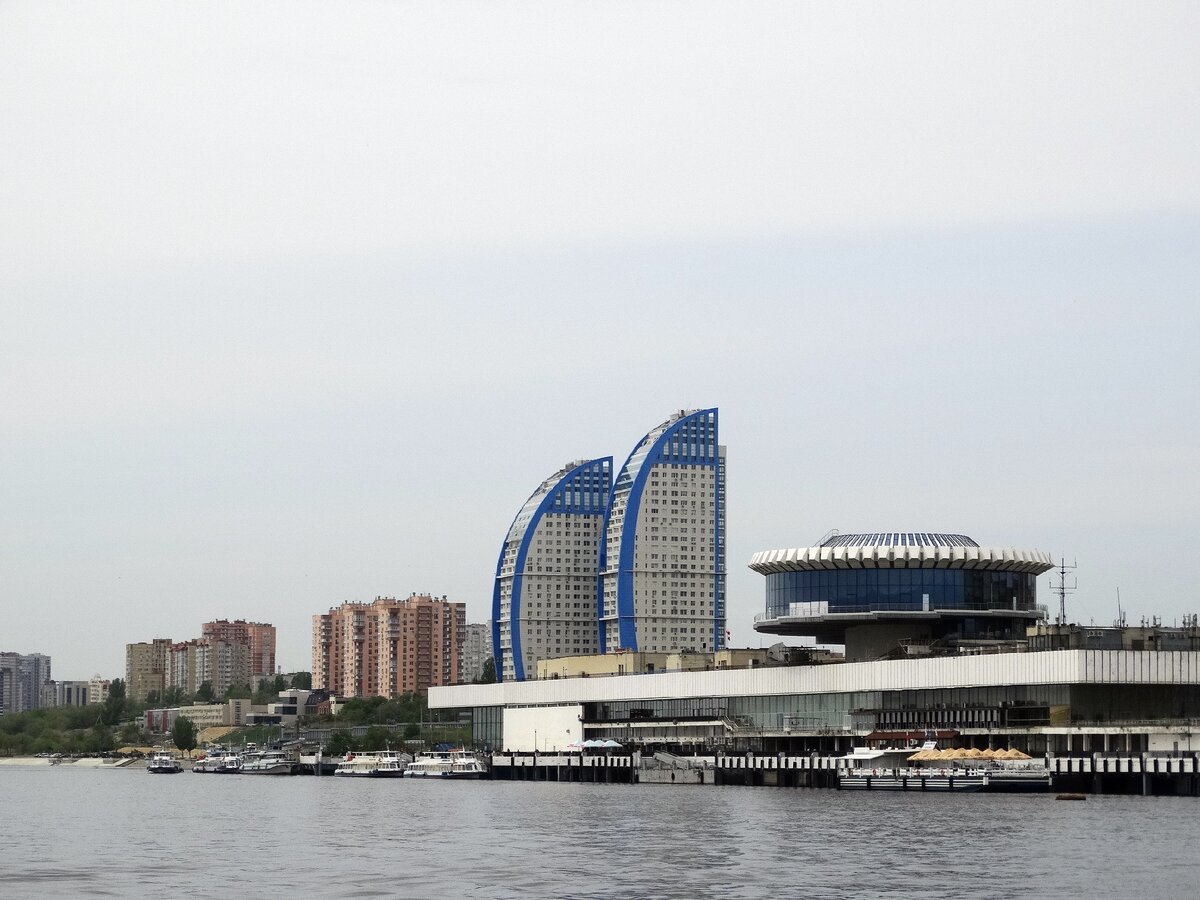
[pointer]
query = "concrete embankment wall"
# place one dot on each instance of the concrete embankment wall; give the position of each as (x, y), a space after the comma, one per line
(1147, 774)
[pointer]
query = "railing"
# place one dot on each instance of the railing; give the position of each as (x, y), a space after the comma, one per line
(1137, 723)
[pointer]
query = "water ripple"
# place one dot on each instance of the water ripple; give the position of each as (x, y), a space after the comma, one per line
(124, 834)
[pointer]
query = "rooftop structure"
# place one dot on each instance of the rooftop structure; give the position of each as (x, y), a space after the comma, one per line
(888, 593)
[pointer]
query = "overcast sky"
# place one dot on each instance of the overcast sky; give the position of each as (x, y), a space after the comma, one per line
(299, 302)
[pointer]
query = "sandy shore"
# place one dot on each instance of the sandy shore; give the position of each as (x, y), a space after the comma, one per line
(73, 763)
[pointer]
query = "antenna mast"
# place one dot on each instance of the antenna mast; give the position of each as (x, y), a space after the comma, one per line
(1062, 588)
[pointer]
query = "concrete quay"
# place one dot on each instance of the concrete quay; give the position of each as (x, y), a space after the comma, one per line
(1147, 774)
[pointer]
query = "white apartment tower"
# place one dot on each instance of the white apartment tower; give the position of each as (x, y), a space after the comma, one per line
(544, 601)
(663, 563)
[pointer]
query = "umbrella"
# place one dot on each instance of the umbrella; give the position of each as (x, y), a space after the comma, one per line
(609, 743)
(592, 743)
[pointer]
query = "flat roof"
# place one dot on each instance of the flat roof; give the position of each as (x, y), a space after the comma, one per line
(1170, 667)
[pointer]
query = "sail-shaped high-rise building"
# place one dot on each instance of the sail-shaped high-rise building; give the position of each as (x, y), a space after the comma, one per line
(663, 561)
(544, 602)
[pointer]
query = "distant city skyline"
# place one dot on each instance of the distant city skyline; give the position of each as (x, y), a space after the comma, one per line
(305, 327)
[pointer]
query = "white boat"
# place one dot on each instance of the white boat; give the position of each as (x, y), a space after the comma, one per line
(163, 763)
(216, 761)
(231, 764)
(893, 769)
(380, 764)
(269, 762)
(445, 764)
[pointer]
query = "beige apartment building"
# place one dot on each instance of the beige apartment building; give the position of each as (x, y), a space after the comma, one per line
(146, 668)
(258, 636)
(388, 647)
(222, 663)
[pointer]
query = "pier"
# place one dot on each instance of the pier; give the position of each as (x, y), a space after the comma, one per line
(1147, 774)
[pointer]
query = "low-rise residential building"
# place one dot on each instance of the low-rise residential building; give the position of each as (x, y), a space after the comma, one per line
(291, 705)
(207, 715)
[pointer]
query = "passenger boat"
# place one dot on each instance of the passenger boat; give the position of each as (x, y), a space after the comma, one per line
(163, 763)
(231, 764)
(928, 769)
(381, 764)
(216, 761)
(269, 762)
(461, 764)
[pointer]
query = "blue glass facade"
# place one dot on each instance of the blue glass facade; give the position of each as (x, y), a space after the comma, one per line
(903, 590)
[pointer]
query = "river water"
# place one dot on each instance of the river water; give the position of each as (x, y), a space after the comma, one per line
(71, 832)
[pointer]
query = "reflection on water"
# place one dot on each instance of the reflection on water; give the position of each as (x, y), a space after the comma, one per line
(122, 833)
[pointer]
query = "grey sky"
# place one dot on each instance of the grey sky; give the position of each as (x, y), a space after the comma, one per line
(299, 303)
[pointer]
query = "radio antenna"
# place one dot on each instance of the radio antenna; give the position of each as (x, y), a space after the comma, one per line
(1062, 588)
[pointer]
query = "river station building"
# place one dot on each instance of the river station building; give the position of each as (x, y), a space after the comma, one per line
(901, 593)
(976, 677)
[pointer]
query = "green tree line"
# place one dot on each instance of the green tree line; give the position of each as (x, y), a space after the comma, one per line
(268, 692)
(95, 728)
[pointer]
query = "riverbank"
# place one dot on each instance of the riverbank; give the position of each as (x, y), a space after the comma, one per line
(80, 763)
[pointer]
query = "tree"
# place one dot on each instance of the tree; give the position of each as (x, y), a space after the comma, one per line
(184, 733)
(488, 675)
(268, 690)
(302, 681)
(101, 739)
(205, 692)
(376, 738)
(113, 705)
(340, 743)
(237, 692)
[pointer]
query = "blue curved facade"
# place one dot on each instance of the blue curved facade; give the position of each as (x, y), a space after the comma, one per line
(544, 596)
(663, 563)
